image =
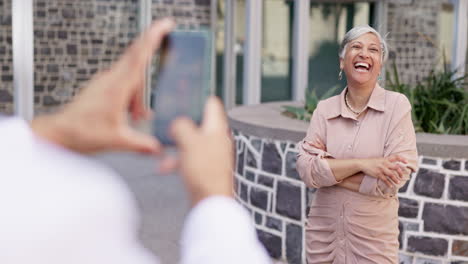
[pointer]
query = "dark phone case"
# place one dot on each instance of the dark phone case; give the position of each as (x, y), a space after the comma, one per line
(183, 80)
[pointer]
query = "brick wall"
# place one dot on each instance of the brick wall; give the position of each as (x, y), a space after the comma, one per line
(413, 35)
(6, 59)
(75, 39)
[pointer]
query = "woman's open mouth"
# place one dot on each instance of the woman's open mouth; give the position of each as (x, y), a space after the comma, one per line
(362, 66)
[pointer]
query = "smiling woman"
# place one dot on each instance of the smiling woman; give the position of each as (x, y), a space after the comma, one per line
(360, 148)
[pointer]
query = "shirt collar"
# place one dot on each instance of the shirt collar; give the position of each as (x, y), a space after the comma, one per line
(376, 102)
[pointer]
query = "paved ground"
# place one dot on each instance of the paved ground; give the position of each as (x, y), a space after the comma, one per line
(162, 200)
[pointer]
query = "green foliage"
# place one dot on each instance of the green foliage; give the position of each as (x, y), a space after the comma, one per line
(440, 102)
(311, 102)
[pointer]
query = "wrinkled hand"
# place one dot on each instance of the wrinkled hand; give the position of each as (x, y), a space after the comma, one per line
(206, 157)
(97, 119)
(385, 169)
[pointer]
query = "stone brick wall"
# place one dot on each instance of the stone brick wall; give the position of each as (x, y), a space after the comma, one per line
(6, 59)
(433, 204)
(75, 39)
(413, 34)
(187, 13)
(434, 212)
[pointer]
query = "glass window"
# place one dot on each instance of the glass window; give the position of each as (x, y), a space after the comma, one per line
(219, 46)
(276, 50)
(239, 47)
(446, 34)
(328, 25)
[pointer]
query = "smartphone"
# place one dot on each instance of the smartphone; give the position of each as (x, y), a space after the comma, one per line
(183, 80)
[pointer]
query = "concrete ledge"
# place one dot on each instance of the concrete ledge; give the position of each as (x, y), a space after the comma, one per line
(266, 121)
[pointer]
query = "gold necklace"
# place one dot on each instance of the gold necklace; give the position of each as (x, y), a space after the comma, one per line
(349, 106)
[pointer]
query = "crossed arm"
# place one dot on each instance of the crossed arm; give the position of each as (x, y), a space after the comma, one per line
(349, 173)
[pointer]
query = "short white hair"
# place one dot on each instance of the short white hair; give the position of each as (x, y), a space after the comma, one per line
(358, 31)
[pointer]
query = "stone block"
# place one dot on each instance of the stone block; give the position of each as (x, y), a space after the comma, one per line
(202, 2)
(62, 34)
(288, 200)
(7, 78)
(244, 192)
(258, 218)
(291, 158)
(236, 186)
(257, 144)
(427, 245)
(429, 183)
(294, 244)
(410, 226)
(460, 248)
(283, 146)
(458, 188)
(240, 163)
(72, 49)
(421, 260)
(259, 198)
(251, 160)
(404, 188)
(5, 96)
(39, 88)
(271, 159)
(45, 51)
(405, 259)
(429, 161)
(409, 208)
(272, 243)
(40, 13)
(50, 101)
(50, 34)
(445, 219)
(68, 13)
(249, 175)
(274, 223)
(265, 180)
(400, 234)
(52, 68)
(451, 165)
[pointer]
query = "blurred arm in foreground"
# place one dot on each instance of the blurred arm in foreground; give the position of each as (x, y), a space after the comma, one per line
(60, 207)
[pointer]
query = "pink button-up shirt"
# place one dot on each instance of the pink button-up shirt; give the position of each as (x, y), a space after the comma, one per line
(368, 218)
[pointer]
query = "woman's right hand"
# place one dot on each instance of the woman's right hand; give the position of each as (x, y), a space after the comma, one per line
(385, 169)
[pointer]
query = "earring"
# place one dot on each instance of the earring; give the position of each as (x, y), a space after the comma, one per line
(379, 78)
(340, 75)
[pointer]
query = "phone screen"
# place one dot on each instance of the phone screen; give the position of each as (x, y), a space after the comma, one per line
(183, 78)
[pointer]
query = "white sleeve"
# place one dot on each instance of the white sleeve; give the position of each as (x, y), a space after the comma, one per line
(61, 208)
(219, 230)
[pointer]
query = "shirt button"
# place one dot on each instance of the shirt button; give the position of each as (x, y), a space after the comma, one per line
(358, 123)
(350, 146)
